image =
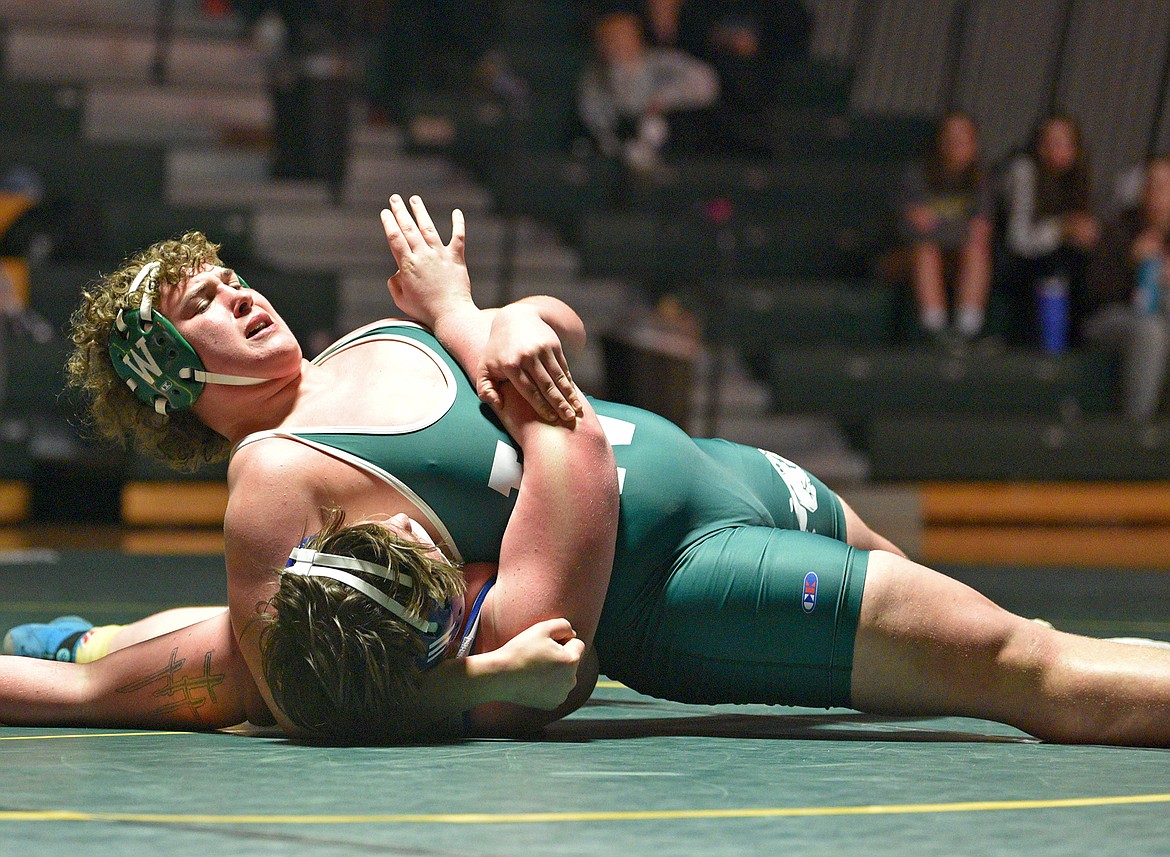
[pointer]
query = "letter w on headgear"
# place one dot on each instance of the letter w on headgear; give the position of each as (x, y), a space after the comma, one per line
(144, 366)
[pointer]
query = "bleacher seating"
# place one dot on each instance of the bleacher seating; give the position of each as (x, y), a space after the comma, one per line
(1016, 447)
(781, 246)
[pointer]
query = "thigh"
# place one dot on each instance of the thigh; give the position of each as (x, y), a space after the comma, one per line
(748, 615)
(928, 644)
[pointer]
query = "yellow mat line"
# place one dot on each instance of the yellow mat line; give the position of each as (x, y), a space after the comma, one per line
(554, 817)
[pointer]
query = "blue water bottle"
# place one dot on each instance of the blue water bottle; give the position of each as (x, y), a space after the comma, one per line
(1052, 298)
(1147, 293)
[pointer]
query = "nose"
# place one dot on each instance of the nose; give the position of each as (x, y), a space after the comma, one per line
(242, 303)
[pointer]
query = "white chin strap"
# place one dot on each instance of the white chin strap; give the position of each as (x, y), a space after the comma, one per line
(219, 378)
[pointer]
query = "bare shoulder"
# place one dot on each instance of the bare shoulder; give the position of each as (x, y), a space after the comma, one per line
(274, 500)
(271, 458)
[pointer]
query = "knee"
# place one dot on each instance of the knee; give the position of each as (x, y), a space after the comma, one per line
(1042, 683)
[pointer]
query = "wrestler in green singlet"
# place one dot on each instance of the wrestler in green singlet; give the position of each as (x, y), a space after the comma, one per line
(732, 581)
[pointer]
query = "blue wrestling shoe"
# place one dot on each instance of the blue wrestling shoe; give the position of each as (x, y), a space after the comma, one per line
(52, 641)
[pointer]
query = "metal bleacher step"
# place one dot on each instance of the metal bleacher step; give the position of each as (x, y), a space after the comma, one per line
(128, 55)
(1017, 447)
(218, 176)
(175, 115)
(371, 177)
(188, 15)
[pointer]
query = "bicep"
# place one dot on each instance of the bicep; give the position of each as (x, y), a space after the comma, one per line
(276, 504)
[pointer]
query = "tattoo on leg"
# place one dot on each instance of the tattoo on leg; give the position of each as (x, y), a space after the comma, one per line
(188, 691)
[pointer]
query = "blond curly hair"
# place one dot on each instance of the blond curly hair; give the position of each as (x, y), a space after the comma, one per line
(179, 440)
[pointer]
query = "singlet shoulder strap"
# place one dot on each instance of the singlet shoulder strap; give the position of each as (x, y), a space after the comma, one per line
(364, 332)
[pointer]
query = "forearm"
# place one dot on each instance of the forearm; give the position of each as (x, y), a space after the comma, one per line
(48, 693)
(457, 685)
(557, 552)
(561, 317)
(188, 679)
(463, 328)
(41, 693)
(501, 719)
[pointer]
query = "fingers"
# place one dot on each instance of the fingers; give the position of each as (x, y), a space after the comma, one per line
(566, 385)
(559, 629)
(402, 216)
(544, 396)
(557, 391)
(575, 649)
(458, 234)
(394, 237)
(489, 393)
(540, 391)
(426, 226)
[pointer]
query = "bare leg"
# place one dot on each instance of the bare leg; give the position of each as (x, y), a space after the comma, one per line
(929, 645)
(929, 286)
(161, 623)
(974, 278)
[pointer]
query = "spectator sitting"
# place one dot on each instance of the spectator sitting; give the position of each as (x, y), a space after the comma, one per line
(1049, 229)
(1126, 294)
(748, 43)
(632, 98)
(945, 211)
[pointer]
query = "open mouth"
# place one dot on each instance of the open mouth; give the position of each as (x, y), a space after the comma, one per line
(260, 324)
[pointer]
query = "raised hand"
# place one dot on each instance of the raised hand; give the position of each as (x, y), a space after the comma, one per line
(432, 278)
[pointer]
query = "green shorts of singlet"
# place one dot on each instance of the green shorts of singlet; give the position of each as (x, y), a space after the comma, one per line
(749, 614)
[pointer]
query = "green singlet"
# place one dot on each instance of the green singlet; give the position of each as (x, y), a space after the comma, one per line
(732, 581)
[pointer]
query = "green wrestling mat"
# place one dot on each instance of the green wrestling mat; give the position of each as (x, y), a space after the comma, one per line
(626, 774)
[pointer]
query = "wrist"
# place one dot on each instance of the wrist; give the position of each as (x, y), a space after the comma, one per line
(489, 674)
(451, 311)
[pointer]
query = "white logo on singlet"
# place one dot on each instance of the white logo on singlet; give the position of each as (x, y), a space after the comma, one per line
(804, 494)
(507, 470)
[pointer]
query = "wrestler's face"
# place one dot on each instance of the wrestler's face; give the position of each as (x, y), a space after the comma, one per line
(233, 329)
(408, 529)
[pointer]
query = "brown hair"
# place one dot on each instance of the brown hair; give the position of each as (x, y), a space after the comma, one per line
(1068, 191)
(180, 439)
(339, 665)
(937, 176)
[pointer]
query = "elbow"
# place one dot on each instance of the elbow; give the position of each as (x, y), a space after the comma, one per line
(592, 437)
